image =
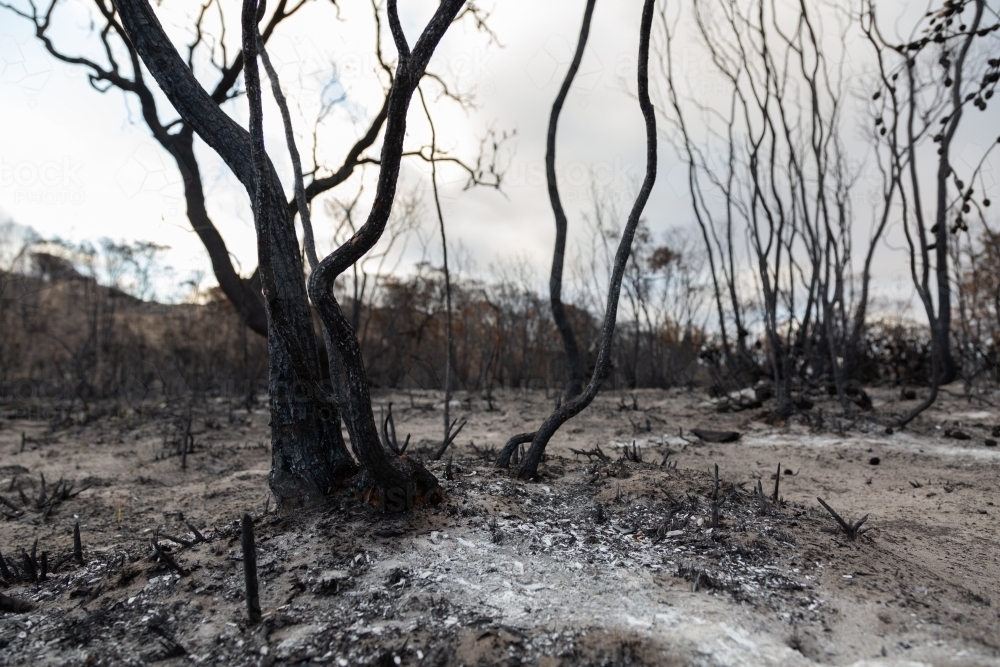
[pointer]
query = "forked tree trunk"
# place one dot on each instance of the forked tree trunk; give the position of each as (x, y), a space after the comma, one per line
(308, 241)
(574, 366)
(568, 410)
(307, 456)
(306, 460)
(401, 480)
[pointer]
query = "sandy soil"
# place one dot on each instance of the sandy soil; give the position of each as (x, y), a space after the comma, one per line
(603, 562)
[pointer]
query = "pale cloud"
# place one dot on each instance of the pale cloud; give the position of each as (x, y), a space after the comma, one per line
(80, 164)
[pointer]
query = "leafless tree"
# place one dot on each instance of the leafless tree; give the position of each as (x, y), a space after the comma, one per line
(308, 454)
(573, 407)
(925, 83)
(777, 171)
(574, 366)
(177, 137)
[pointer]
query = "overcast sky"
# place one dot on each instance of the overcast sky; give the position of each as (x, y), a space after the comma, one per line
(81, 164)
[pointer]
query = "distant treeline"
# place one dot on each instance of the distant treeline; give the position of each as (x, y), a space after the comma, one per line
(67, 335)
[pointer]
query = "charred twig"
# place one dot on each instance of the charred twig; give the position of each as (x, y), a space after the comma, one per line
(161, 555)
(389, 433)
(853, 530)
(761, 499)
(48, 499)
(186, 439)
(485, 452)
(43, 569)
(592, 453)
(509, 449)
(639, 428)
(77, 544)
(30, 567)
(4, 570)
(178, 540)
(635, 455)
(622, 405)
(449, 438)
(777, 480)
(448, 475)
(198, 537)
(715, 489)
(250, 570)
(41, 492)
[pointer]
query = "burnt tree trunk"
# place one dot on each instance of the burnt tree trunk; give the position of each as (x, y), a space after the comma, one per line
(387, 480)
(574, 367)
(570, 409)
(308, 454)
(243, 293)
(941, 325)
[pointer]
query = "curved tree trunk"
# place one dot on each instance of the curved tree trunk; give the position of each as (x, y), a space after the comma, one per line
(386, 480)
(574, 367)
(305, 457)
(241, 292)
(529, 467)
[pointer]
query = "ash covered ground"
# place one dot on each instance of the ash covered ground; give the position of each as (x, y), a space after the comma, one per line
(627, 554)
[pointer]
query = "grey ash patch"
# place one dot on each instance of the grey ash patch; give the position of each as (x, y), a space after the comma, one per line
(476, 580)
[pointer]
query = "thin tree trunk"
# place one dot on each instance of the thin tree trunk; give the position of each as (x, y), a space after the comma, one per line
(570, 409)
(574, 366)
(386, 480)
(450, 340)
(949, 369)
(302, 204)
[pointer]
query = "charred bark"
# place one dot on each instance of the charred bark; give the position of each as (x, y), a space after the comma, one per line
(569, 409)
(574, 367)
(385, 479)
(307, 459)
